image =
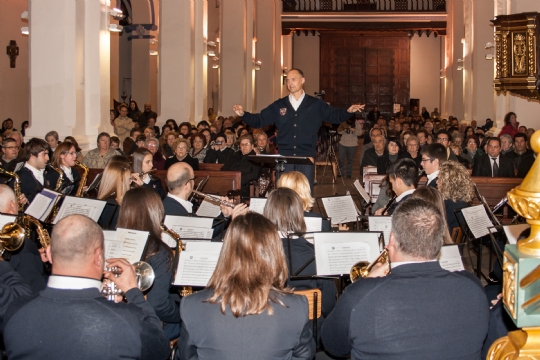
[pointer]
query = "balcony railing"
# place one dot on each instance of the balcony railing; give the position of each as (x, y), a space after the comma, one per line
(364, 5)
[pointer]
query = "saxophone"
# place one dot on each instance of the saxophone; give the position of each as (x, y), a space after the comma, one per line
(43, 235)
(60, 177)
(186, 290)
(84, 176)
(16, 186)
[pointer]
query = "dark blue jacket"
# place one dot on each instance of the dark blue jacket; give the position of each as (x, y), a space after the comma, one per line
(297, 134)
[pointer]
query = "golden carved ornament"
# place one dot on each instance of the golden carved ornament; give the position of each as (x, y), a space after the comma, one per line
(525, 200)
(510, 268)
(505, 53)
(498, 55)
(530, 39)
(519, 344)
(520, 58)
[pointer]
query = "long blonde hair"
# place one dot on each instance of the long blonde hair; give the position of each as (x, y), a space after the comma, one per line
(251, 270)
(115, 181)
(298, 182)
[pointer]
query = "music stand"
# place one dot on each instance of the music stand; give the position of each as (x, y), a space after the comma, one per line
(281, 160)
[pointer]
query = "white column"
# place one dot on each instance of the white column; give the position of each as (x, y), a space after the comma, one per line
(69, 69)
(286, 58)
(175, 56)
(200, 60)
(468, 52)
(140, 71)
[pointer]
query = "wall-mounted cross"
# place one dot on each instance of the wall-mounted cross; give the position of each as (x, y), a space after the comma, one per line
(13, 52)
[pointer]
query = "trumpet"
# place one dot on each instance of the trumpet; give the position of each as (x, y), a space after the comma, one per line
(362, 268)
(214, 199)
(145, 278)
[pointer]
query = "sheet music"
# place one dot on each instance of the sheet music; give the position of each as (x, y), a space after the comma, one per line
(477, 220)
(450, 258)
(513, 231)
(313, 224)
(257, 205)
(190, 227)
(336, 253)
(340, 208)
(127, 244)
(197, 263)
(208, 209)
(42, 205)
(81, 206)
(381, 223)
(362, 191)
(5, 219)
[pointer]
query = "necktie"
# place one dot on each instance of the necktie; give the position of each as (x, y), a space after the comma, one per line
(495, 167)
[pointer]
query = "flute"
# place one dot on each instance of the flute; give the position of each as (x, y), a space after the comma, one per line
(214, 198)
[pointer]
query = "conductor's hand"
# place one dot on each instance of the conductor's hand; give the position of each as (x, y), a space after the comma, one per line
(356, 107)
(238, 110)
(127, 280)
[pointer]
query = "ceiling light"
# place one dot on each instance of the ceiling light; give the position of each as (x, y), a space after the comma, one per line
(115, 27)
(460, 68)
(153, 52)
(25, 31)
(215, 66)
(116, 12)
(489, 45)
(489, 56)
(211, 53)
(24, 15)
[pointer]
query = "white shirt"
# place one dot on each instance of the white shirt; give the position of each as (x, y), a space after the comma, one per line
(73, 283)
(296, 103)
(408, 192)
(432, 176)
(146, 179)
(396, 264)
(67, 171)
(186, 204)
(38, 174)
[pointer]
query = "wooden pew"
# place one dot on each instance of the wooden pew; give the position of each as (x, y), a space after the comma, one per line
(214, 167)
(219, 183)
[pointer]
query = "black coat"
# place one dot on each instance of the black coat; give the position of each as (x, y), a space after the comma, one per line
(483, 166)
(522, 163)
(173, 207)
(27, 262)
(450, 207)
(109, 216)
(218, 156)
(399, 316)
(194, 163)
(83, 324)
(30, 187)
(249, 170)
(383, 162)
(52, 177)
(155, 184)
(370, 159)
(12, 286)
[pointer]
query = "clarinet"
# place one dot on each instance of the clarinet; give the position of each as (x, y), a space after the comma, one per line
(389, 204)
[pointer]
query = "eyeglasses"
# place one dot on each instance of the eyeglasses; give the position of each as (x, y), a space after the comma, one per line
(11, 147)
(191, 180)
(427, 159)
(442, 139)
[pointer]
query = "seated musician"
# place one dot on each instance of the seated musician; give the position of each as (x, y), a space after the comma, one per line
(284, 209)
(246, 312)
(457, 189)
(433, 196)
(63, 159)
(239, 161)
(419, 310)
(114, 184)
(159, 255)
(143, 163)
(10, 151)
(71, 319)
(403, 177)
(28, 260)
(32, 175)
(433, 155)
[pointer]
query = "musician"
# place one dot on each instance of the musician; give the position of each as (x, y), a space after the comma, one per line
(251, 312)
(164, 300)
(493, 164)
(403, 177)
(70, 319)
(239, 161)
(114, 184)
(181, 154)
(433, 155)
(433, 196)
(457, 189)
(12, 286)
(10, 151)
(284, 209)
(64, 159)
(32, 174)
(419, 310)
(298, 118)
(143, 163)
(28, 260)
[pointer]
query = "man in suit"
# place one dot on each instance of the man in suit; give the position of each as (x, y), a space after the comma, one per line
(493, 164)
(51, 324)
(433, 155)
(403, 177)
(298, 118)
(400, 316)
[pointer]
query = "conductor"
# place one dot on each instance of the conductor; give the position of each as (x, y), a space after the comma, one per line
(298, 118)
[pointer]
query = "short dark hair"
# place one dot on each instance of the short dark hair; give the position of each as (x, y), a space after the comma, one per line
(444, 132)
(493, 138)
(474, 138)
(406, 170)
(102, 134)
(298, 71)
(204, 123)
(140, 137)
(34, 146)
(115, 139)
(418, 228)
(521, 135)
(435, 151)
(8, 140)
(133, 131)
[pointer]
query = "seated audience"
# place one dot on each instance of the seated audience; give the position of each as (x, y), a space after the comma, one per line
(142, 164)
(167, 148)
(407, 302)
(412, 150)
(263, 145)
(99, 157)
(49, 325)
(181, 154)
(493, 164)
(458, 151)
(218, 152)
(507, 144)
(53, 140)
(129, 145)
(152, 144)
(443, 138)
(115, 144)
(370, 154)
(472, 150)
(253, 314)
(457, 189)
(239, 161)
(198, 149)
(522, 157)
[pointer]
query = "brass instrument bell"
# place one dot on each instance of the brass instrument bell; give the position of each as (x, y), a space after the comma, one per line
(363, 268)
(145, 278)
(12, 237)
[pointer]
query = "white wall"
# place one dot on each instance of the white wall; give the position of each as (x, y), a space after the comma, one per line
(15, 85)
(306, 57)
(425, 71)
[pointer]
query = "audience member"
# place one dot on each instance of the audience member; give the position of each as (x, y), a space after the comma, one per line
(472, 151)
(146, 115)
(348, 143)
(522, 157)
(123, 124)
(507, 144)
(493, 164)
(218, 152)
(239, 161)
(181, 154)
(99, 157)
(198, 149)
(511, 125)
(152, 144)
(10, 151)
